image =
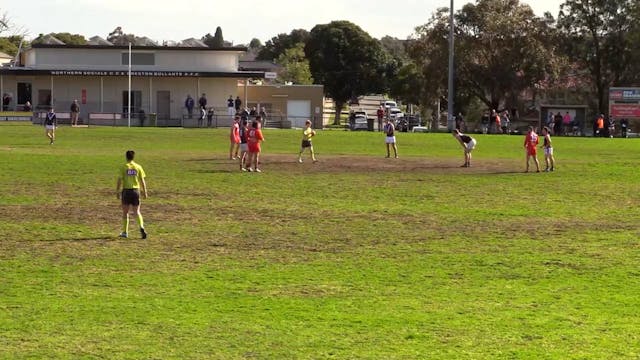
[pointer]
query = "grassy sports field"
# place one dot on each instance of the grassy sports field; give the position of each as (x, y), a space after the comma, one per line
(355, 257)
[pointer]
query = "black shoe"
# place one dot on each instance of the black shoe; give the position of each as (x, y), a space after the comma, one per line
(143, 233)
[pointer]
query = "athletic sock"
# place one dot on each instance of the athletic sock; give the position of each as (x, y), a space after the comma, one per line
(125, 224)
(140, 221)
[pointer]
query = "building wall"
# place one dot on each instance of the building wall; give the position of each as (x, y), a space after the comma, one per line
(111, 59)
(69, 88)
(275, 99)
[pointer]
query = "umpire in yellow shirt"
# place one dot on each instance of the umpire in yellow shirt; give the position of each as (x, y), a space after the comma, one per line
(130, 180)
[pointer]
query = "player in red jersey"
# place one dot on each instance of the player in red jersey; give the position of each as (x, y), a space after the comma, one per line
(254, 138)
(234, 138)
(530, 144)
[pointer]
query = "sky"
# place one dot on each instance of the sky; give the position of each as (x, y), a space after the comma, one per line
(240, 21)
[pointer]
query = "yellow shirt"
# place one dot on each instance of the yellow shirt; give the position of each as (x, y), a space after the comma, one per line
(307, 134)
(131, 175)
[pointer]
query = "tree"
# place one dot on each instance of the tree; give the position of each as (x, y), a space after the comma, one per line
(497, 57)
(218, 40)
(395, 47)
(295, 66)
(10, 44)
(280, 43)
(118, 37)
(255, 44)
(597, 34)
(347, 61)
(65, 37)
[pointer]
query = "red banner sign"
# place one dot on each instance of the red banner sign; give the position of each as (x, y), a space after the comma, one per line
(625, 110)
(84, 96)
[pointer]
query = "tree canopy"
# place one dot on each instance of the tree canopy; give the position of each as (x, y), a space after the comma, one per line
(497, 57)
(118, 37)
(65, 37)
(295, 66)
(598, 34)
(278, 44)
(347, 61)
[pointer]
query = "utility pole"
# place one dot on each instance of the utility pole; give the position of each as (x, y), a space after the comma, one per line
(450, 123)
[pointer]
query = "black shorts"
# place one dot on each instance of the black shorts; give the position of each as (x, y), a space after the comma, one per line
(306, 143)
(130, 197)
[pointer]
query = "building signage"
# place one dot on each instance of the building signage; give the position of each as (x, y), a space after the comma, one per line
(625, 110)
(125, 73)
(624, 94)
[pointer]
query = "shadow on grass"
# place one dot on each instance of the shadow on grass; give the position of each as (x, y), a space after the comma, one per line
(88, 238)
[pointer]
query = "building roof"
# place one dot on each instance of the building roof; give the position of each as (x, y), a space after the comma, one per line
(137, 47)
(5, 56)
(259, 65)
(135, 73)
(192, 42)
(97, 40)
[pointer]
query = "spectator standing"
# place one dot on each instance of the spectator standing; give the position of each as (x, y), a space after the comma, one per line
(27, 106)
(599, 126)
(611, 126)
(624, 127)
(380, 116)
(203, 101)
(566, 123)
(6, 101)
(203, 115)
(238, 103)
(505, 122)
(210, 114)
(484, 122)
(75, 112)
(495, 118)
(253, 113)
(189, 103)
(557, 124)
(459, 122)
(230, 106)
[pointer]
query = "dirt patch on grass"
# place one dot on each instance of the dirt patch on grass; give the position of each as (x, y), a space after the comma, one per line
(368, 164)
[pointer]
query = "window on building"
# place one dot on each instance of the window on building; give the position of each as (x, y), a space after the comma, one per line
(139, 58)
(136, 101)
(24, 93)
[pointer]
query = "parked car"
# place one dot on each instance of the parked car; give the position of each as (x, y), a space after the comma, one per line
(359, 121)
(395, 113)
(388, 104)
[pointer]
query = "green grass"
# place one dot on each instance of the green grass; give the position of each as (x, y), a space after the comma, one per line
(356, 257)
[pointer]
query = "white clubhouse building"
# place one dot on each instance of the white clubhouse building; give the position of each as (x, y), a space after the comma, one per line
(97, 76)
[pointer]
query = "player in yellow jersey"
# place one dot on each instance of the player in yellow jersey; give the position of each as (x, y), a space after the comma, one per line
(307, 134)
(130, 181)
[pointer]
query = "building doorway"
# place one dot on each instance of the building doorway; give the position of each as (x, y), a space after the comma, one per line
(163, 104)
(136, 102)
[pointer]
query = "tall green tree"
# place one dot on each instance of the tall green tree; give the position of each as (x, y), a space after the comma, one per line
(348, 61)
(497, 57)
(214, 41)
(277, 45)
(598, 37)
(295, 66)
(10, 44)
